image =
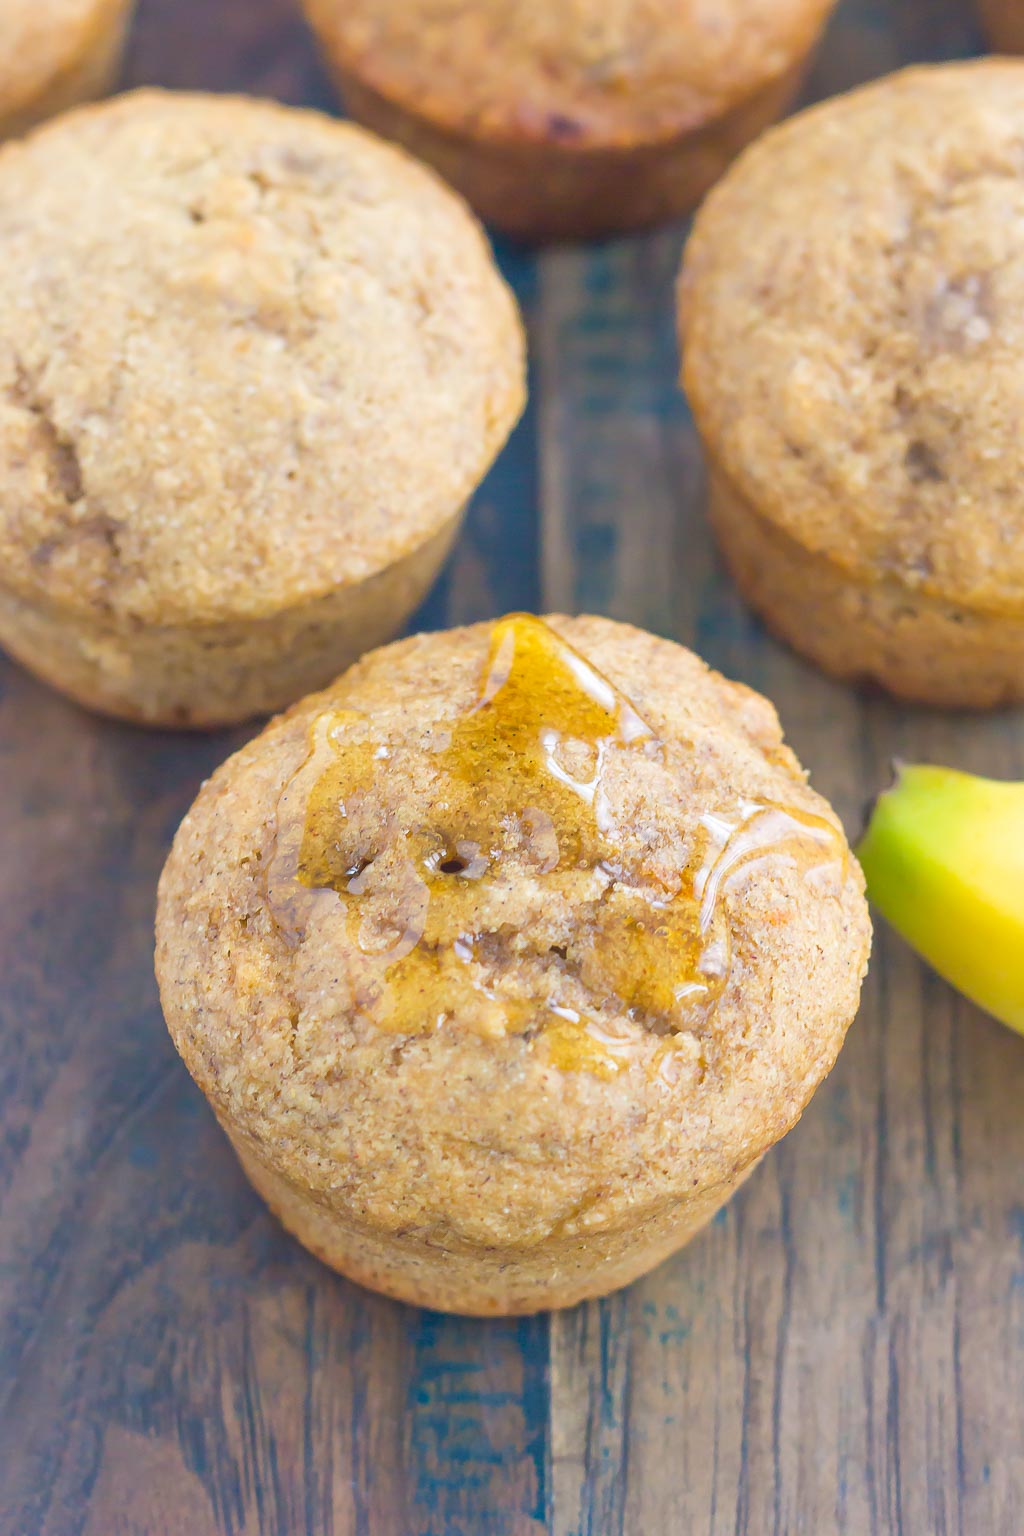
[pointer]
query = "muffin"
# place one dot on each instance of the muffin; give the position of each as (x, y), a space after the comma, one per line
(570, 117)
(852, 322)
(252, 364)
(503, 960)
(55, 54)
(1004, 21)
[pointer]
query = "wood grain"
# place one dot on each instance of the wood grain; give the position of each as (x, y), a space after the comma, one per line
(842, 1351)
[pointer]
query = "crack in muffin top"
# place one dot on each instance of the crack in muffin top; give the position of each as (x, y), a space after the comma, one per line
(852, 319)
(247, 355)
(587, 73)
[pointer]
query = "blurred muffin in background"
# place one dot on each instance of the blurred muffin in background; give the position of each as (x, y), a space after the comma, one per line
(570, 118)
(852, 323)
(253, 362)
(1004, 22)
(56, 53)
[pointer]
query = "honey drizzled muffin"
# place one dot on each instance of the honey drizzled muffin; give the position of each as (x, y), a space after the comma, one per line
(253, 362)
(504, 960)
(852, 321)
(56, 53)
(570, 117)
(1004, 22)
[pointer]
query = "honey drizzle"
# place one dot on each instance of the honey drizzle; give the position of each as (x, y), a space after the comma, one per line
(757, 829)
(522, 776)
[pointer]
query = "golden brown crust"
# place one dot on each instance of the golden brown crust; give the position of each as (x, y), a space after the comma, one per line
(462, 1138)
(570, 118)
(481, 1281)
(587, 74)
(56, 53)
(917, 647)
(851, 308)
(198, 676)
(248, 355)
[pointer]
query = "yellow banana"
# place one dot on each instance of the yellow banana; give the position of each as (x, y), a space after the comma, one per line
(944, 859)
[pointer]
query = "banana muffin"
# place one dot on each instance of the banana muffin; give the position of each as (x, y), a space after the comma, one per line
(252, 364)
(852, 321)
(1004, 21)
(504, 960)
(570, 117)
(56, 53)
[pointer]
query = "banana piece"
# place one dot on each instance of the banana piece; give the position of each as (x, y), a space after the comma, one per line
(944, 859)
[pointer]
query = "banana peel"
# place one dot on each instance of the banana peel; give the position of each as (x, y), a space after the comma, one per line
(943, 855)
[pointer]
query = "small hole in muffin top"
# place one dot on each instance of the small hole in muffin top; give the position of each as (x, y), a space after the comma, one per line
(922, 464)
(453, 866)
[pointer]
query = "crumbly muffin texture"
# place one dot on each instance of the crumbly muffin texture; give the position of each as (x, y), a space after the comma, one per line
(457, 1107)
(248, 356)
(858, 374)
(577, 72)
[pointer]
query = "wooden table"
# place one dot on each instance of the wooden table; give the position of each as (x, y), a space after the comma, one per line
(842, 1351)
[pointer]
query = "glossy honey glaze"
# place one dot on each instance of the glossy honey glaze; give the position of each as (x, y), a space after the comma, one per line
(522, 787)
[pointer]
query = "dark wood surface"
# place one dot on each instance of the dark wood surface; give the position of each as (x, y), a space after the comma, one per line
(842, 1351)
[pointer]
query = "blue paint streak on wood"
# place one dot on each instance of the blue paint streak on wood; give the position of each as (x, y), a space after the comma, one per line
(478, 1448)
(616, 342)
(502, 525)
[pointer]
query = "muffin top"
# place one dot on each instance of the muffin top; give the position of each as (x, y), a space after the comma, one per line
(43, 39)
(583, 72)
(516, 930)
(247, 354)
(852, 317)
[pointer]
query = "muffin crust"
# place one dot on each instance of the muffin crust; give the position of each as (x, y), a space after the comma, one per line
(857, 375)
(481, 1041)
(55, 54)
(252, 363)
(625, 112)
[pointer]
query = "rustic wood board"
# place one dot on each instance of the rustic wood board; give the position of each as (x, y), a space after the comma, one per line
(842, 1351)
